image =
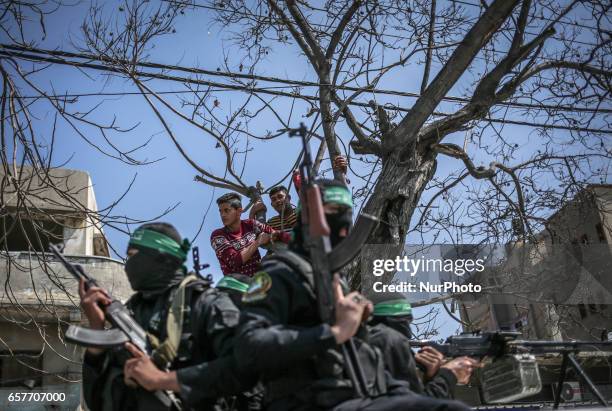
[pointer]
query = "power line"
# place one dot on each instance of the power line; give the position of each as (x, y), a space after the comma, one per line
(289, 82)
(131, 93)
(253, 89)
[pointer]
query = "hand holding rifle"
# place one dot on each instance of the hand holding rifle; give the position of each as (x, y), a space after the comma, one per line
(431, 359)
(99, 307)
(462, 367)
(351, 311)
(92, 301)
(141, 370)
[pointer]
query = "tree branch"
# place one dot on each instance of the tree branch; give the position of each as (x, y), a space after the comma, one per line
(461, 58)
(301, 22)
(337, 35)
(484, 96)
(430, 40)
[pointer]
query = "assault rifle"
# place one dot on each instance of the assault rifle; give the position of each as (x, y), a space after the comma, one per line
(513, 372)
(125, 328)
(325, 261)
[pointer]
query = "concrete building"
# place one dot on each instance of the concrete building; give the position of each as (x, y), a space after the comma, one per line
(569, 266)
(556, 288)
(39, 298)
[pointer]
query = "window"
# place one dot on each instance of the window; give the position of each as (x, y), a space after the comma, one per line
(29, 235)
(19, 369)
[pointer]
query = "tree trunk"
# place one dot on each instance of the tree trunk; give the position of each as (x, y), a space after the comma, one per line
(395, 197)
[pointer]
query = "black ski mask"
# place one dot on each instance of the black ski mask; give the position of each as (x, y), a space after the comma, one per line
(337, 222)
(332, 192)
(400, 324)
(151, 272)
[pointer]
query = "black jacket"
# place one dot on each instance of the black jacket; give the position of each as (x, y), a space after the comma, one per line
(206, 368)
(282, 336)
(400, 362)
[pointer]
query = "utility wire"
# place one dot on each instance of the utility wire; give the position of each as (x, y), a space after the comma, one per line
(253, 89)
(290, 82)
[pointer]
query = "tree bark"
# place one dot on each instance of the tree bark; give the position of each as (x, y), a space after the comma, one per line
(394, 199)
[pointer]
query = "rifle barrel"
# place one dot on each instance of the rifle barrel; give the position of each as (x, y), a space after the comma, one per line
(559, 346)
(74, 269)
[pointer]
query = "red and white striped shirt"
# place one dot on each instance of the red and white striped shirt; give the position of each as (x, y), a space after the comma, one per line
(228, 245)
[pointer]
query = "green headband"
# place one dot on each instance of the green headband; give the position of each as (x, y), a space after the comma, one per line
(232, 284)
(337, 195)
(394, 308)
(160, 242)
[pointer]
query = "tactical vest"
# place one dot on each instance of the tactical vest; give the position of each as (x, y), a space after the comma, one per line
(169, 330)
(176, 319)
(331, 385)
(177, 348)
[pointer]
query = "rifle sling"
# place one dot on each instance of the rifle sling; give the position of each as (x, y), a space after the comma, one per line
(165, 352)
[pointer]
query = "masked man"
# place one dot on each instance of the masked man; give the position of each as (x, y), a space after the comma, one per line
(390, 331)
(283, 337)
(198, 349)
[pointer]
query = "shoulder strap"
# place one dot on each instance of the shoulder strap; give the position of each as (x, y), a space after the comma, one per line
(295, 261)
(164, 353)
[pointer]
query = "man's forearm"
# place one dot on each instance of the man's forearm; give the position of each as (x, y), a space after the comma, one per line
(249, 251)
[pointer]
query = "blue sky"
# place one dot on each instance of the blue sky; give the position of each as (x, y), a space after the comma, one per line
(170, 181)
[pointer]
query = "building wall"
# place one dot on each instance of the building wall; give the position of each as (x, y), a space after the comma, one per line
(47, 303)
(41, 297)
(587, 222)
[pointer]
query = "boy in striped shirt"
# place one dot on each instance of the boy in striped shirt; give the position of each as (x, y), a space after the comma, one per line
(281, 202)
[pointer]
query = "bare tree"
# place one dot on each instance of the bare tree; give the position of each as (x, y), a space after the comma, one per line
(522, 86)
(38, 202)
(515, 63)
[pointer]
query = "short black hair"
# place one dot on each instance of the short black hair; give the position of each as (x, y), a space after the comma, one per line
(166, 229)
(233, 199)
(277, 189)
